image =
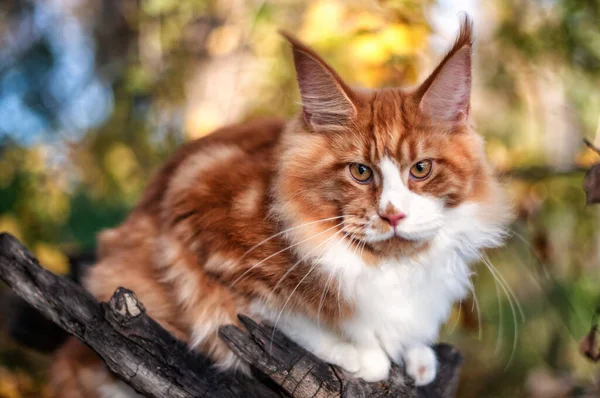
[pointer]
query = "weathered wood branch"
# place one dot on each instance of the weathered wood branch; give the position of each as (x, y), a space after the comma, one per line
(300, 374)
(133, 345)
(139, 351)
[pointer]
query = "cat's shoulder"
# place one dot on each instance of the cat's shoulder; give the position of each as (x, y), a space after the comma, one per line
(247, 137)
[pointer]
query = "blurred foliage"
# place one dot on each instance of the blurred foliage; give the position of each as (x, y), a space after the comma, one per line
(95, 94)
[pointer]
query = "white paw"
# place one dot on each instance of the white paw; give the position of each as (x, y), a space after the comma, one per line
(374, 365)
(421, 364)
(346, 356)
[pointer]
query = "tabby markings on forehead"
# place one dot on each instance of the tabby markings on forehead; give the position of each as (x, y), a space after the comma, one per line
(405, 150)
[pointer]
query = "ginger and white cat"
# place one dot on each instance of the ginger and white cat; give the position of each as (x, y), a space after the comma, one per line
(351, 226)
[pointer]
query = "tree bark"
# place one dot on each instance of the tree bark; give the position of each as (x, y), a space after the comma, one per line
(144, 355)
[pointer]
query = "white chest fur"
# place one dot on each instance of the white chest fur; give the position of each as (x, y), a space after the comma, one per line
(399, 309)
(399, 303)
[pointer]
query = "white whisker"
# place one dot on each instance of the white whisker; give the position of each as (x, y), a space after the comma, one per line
(476, 306)
(513, 306)
(329, 280)
(341, 279)
(281, 251)
(296, 288)
(457, 318)
(517, 303)
(303, 258)
(285, 231)
(500, 317)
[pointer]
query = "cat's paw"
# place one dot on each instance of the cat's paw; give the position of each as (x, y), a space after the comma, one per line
(421, 364)
(345, 356)
(374, 365)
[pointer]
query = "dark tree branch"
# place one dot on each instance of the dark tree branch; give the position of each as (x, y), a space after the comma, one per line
(593, 147)
(147, 357)
(301, 374)
(133, 345)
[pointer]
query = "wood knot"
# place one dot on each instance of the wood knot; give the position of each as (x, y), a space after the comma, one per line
(125, 303)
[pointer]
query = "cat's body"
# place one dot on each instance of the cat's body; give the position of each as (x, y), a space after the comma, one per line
(277, 221)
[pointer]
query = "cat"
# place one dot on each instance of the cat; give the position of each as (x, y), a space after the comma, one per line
(350, 227)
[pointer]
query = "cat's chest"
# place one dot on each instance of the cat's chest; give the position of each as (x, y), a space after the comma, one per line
(410, 297)
(400, 300)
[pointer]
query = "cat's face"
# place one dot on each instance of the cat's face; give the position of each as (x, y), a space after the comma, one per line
(388, 167)
(396, 185)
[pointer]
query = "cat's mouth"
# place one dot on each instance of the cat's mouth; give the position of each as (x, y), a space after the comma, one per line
(400, 233)
(378, 235)
(391, 244)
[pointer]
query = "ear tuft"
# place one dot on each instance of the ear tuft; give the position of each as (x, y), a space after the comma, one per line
(326, 100)
(446, 93)
(465, 34)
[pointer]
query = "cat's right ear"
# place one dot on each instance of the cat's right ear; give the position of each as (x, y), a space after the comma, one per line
(446, 93)
(326, 99)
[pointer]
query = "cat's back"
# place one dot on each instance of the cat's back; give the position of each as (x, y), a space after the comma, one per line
(199, 195)
(253, 141)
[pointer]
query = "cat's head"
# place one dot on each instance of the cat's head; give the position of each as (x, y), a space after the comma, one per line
(390, 167)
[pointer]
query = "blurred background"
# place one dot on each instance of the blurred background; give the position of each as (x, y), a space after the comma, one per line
(95, 94)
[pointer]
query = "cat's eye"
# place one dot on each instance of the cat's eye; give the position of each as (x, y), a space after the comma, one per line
(361, 173)
(421, 170)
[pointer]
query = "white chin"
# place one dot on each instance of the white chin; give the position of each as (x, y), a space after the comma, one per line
(417, 235)
(374, 238)
(407, 235)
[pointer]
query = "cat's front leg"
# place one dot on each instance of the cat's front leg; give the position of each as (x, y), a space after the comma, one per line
(321, 341)
(364, 358)
(370, 363)
(374, 364)
(421, 364)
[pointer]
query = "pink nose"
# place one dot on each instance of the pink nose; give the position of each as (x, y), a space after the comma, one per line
(393, 218)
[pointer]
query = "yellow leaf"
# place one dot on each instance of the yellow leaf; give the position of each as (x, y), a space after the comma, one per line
(498, 154)
(367, 48)
(369, 76)
(122, 163)
(8, 385)
(223, 40)
(587, 158)
(202, 120)
(402, 39)
(52, 258)
(364, 20)
(9, 223)
(323, 19)
(157, 7)
(35, 159)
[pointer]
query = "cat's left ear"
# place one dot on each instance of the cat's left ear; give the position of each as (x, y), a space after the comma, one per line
(446, 94)
(326, 100)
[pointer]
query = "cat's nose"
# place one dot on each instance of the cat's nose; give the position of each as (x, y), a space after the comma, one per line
(393, 218)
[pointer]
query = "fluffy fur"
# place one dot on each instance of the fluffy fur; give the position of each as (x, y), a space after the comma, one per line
(266, 219)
